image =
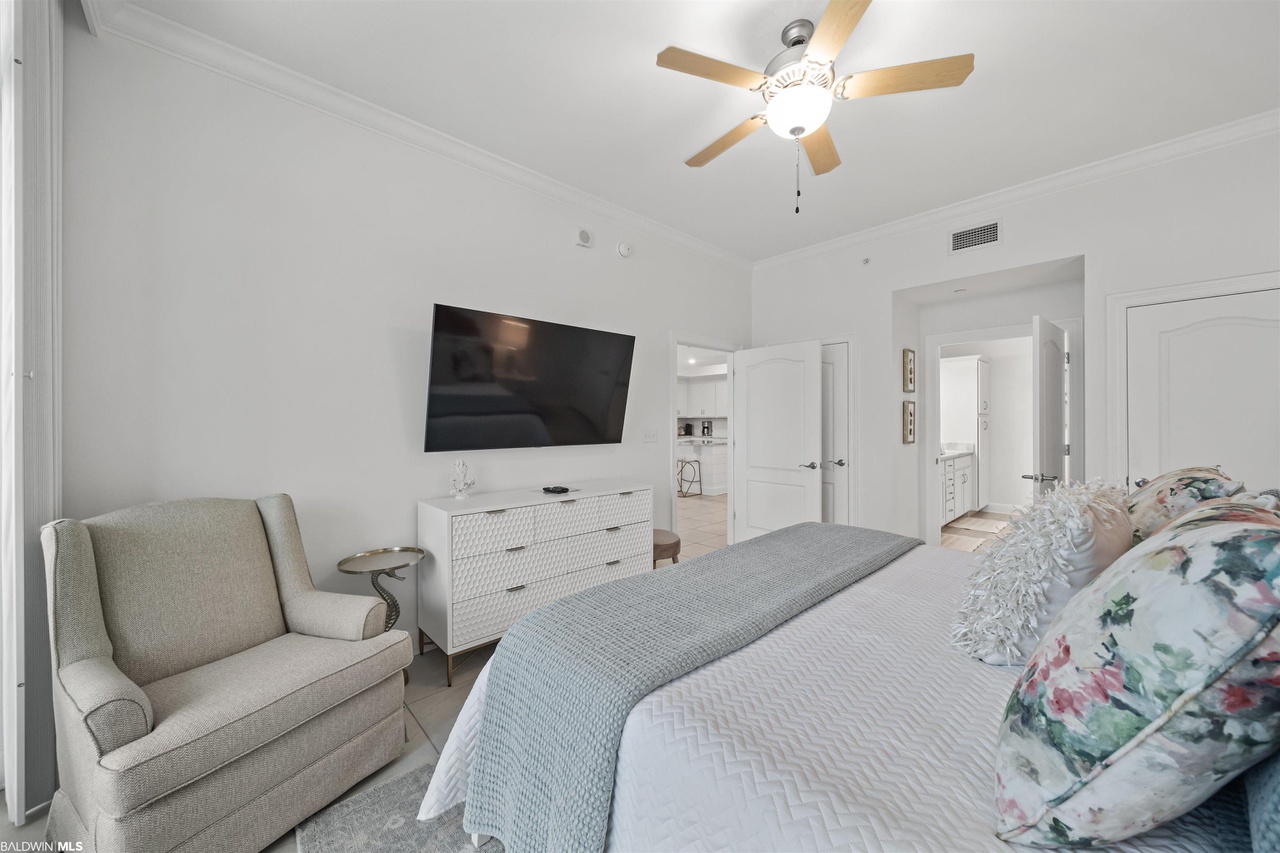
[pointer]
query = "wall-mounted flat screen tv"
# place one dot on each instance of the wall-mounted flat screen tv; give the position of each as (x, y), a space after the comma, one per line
(503, 381)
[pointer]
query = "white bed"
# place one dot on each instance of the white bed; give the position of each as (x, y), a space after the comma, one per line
(853, 726)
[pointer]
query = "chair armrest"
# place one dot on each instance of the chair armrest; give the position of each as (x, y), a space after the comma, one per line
(335, 615)
(114, 709)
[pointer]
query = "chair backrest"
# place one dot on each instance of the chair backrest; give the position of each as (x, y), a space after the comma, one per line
(184, 583)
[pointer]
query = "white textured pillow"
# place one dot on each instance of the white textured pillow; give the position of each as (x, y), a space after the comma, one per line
(1051, 550)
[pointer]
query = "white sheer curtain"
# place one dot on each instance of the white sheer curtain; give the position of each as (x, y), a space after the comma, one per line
(30, 480)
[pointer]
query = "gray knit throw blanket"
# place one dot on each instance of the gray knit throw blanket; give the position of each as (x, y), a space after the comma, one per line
(565, 678)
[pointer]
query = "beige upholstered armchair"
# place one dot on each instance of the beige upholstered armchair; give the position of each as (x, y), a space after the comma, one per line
(207, 696)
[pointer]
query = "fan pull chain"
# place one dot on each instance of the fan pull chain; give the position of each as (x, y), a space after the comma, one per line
(797, 174)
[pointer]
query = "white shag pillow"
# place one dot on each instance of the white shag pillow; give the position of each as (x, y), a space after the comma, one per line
(1049, 552)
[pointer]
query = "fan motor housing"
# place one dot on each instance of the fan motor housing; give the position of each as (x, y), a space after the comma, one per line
(789, 67)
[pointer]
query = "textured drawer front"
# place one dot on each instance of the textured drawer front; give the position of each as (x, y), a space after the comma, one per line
(487, 532)
(621, 569)
(489, 615)
(488, 573)
(568, 517)
(625, 508)
(628, 541)
(480, 618)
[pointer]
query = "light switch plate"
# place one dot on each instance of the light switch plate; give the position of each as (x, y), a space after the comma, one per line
(650, 436)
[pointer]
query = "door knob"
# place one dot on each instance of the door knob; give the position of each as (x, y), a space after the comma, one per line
(839, 463)
(810, 465)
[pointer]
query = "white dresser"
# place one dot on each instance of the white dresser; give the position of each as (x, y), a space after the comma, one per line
(493, 557)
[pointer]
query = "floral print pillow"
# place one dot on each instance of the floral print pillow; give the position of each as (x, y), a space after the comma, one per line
(1154, 687)
(1170, 495)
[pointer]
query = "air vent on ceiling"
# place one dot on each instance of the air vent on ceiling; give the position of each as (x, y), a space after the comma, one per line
(972, 238)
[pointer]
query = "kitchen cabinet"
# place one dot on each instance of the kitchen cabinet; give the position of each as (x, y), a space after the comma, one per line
(682, 398)
(702, 398)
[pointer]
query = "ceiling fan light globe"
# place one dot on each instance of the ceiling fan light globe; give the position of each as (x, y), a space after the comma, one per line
(798, 110)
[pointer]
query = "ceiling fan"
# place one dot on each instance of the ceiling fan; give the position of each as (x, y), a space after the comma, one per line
(800, 84)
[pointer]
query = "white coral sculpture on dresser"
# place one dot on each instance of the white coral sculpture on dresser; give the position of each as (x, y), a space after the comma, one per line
(1003, 598)
(461, 481)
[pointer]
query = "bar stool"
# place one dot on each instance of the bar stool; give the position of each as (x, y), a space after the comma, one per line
(688, 474)
(666, 546)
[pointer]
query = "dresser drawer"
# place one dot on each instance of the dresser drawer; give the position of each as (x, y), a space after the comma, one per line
(627, 541)
(497, 530)
(568, 517)
(488, 616)
(625, 508)
(616, 569)
(484, 574)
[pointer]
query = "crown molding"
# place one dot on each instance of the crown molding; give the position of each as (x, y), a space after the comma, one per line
(1232, 133)
(159, 33)
(99, 13)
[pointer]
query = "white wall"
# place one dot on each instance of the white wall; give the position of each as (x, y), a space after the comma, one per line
(1009, 418)
(1208, 215)
(247, 299)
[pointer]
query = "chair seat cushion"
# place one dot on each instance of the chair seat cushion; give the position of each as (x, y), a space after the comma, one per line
(213, 714)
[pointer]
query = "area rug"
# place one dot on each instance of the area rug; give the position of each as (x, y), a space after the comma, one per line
(385, 818)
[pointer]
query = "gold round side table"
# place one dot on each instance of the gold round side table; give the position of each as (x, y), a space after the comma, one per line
(382, 561)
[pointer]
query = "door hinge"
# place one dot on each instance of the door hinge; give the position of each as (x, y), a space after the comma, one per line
(1067, 356)
(1067, 450)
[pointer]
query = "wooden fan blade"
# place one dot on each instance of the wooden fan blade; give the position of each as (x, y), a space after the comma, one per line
(724, 143)
(934, 74)
(712, 69)
(837, 24)
(821, 151)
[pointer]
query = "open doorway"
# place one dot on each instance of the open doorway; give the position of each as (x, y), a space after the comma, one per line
(700, 462)
(985, 423)
(1005, 408)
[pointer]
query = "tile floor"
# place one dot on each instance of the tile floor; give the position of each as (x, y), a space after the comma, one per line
(431, 707)
(973, 530)
(703, 524)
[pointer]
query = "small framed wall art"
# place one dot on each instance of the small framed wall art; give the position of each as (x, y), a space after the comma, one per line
(908, 371)
(908, 421)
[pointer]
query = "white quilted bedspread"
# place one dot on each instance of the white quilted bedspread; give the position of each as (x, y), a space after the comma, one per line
(851, 727)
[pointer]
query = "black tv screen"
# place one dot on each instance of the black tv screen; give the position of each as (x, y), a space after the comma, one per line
(503, 381)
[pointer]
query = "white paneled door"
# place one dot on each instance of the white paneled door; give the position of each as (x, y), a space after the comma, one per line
(1049, 414)
(835, 433)
(777, 461)
(1203, 388)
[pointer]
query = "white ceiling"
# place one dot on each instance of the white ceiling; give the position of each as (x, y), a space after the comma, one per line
(569, 88)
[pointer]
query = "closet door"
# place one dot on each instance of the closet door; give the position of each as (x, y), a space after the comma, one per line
(1203, 388)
